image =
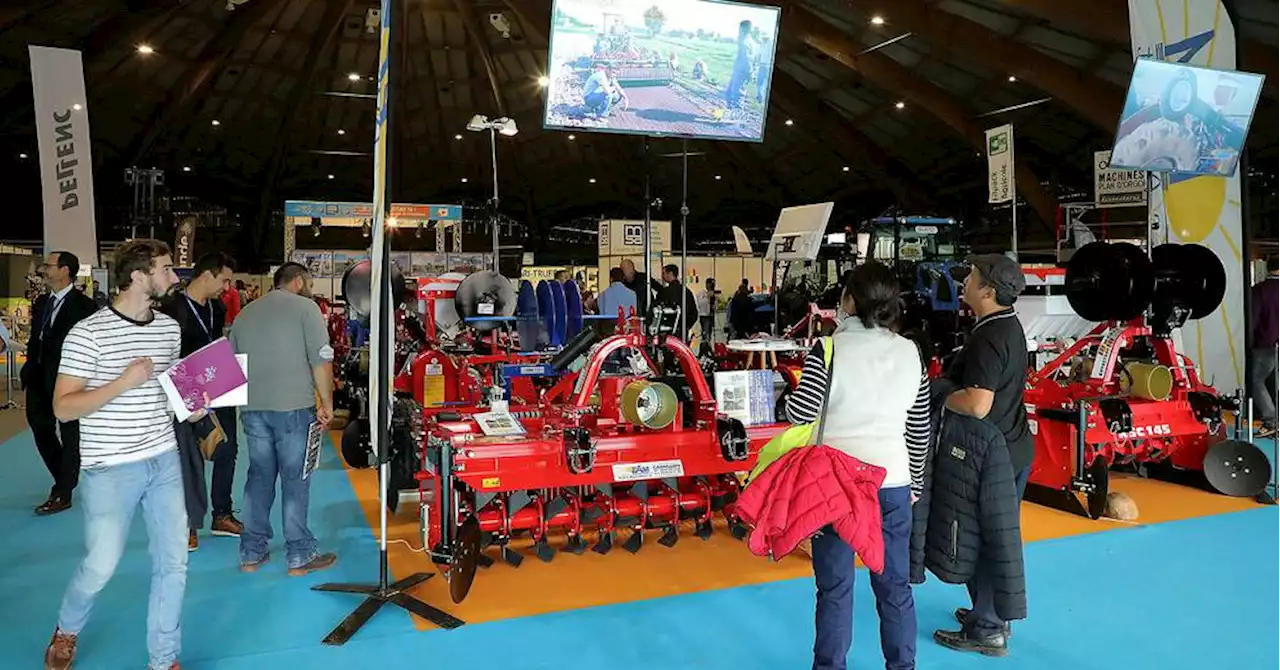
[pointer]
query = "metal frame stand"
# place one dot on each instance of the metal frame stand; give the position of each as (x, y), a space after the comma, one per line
(10, 364)
(382, 593)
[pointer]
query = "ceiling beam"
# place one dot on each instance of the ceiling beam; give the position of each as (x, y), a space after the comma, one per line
(1095, 99)
(335, 12)
(1109, 20)
(21, 17)
(888, 74)
(475, 33)
(818, 116)
(197, 79)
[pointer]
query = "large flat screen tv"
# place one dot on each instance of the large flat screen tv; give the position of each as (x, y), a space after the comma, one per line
(1184, 119)
(663, 68)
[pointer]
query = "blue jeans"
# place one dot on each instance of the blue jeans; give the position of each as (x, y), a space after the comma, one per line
(983, 619)
(109, 496)
(833, 570)
(277, 448)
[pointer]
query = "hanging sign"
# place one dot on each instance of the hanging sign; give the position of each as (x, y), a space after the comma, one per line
(1116, 188)
(66, 167)
(1000, 186)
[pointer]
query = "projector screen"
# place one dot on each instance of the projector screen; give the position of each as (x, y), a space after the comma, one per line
(1184, 119)
(664, 68)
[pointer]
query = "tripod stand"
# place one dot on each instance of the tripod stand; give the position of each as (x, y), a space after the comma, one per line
(381, 593)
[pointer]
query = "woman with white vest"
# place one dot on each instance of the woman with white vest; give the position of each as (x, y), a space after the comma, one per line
(878, 412)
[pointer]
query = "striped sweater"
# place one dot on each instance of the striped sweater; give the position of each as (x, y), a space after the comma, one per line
(864, 398)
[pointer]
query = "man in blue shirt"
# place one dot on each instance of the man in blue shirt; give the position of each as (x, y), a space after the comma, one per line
(617, 295)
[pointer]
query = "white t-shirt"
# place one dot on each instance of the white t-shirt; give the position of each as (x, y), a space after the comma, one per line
(138, 424)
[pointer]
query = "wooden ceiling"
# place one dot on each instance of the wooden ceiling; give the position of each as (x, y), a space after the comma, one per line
(248, 107)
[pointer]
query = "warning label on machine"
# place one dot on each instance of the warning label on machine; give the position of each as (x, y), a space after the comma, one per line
(631, 472)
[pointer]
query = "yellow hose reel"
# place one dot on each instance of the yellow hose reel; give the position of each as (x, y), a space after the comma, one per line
(1147, 380)
(649, 404)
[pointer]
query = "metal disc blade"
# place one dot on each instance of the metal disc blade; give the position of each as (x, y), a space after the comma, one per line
(466, 556)
(527, 312)
(485, 294)
(572, 310)
(546, 313)
(357, 282)
(558, 312)
(1237, 468)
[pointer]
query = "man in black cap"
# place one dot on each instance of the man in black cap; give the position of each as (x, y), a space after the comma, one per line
(989, 377)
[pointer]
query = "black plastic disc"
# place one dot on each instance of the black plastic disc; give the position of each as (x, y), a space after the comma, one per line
(1236, 468)
(466, 556)
(1109, 282)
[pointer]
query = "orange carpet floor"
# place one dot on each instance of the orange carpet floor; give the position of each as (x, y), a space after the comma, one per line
(574, 582)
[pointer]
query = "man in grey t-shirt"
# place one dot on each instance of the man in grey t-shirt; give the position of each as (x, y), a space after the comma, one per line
(290, 388)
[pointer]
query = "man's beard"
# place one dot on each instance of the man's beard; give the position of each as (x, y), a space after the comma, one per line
(161, 294)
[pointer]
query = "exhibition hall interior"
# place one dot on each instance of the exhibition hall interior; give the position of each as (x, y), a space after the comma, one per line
(683, 334)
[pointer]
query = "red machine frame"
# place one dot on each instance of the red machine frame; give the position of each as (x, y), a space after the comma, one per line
(581, 465)
(1082, 428)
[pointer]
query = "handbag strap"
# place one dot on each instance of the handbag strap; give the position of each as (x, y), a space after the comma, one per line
(826, 389)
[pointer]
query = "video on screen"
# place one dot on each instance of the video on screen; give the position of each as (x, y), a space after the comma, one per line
(669, 68)
(1184, 119)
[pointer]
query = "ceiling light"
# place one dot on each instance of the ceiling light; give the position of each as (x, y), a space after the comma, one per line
(22, 156)
(331, 176)
(464, 180)
(717, 177)
(77, 107)
(877, 20)
(900, 104)
(789, 122)
(1012, 78)
(458, 136)
(342, 132)
(186, 168)
(544, 81)
(145, 49)
(215, 122)
(353, 77)
(845, 169)
(572, 137)
(592, 180)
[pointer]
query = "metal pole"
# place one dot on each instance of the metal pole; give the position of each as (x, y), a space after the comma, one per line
(1015, 224)
(648, 235)
(493, 210)
(684, 238)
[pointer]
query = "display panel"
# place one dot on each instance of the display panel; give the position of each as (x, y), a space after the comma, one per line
(1184, 119)
(665, 68)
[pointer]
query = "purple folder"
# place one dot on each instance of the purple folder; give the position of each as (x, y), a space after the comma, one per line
(210, 371)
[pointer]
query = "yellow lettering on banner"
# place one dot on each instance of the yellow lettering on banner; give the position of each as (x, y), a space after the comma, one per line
(490, 483)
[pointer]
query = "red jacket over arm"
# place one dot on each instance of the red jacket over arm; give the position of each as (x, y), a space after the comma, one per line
(807, 489)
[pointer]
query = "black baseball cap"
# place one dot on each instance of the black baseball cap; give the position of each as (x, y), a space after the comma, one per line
(1002, 274)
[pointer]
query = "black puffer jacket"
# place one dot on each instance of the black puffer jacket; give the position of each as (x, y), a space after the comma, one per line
(973, 512)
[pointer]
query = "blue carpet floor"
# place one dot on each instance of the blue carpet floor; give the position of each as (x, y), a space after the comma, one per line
(1192, 594)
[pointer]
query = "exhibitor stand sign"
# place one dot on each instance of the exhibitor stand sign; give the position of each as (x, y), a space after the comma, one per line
(1117, 188)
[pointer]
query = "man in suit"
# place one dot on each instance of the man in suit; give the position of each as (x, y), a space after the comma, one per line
(52, 317)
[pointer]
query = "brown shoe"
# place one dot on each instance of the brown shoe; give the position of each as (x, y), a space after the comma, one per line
(253, 567)
(53, 505)
(320, 562)
(61, 651)
(193, 542)
(226, 525)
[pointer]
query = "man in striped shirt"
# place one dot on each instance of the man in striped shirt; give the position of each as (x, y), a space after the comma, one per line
(107, 380)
